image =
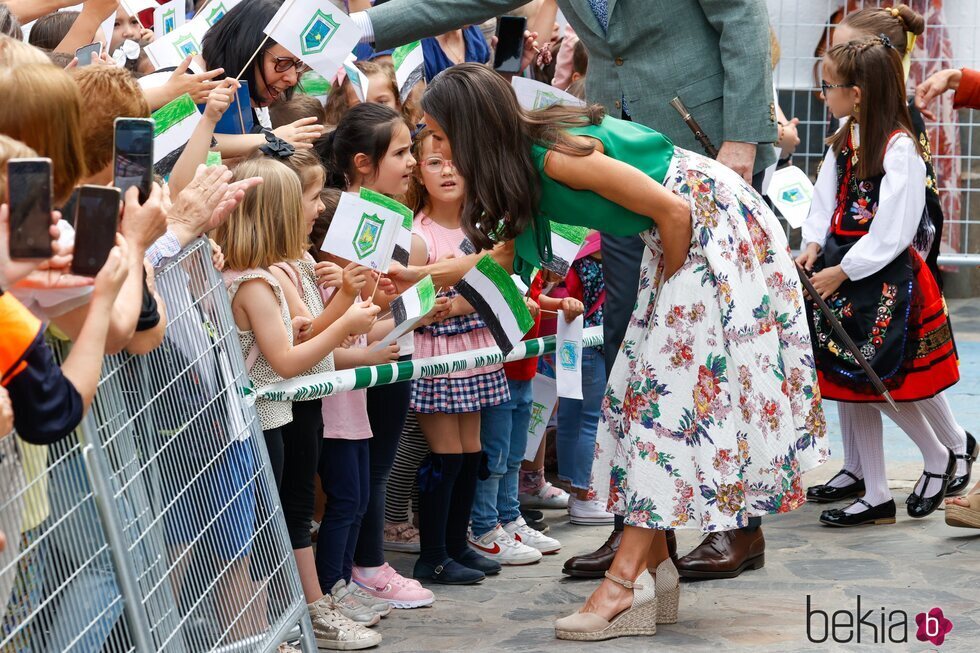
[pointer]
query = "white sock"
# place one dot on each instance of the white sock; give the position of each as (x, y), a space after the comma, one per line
(867, 434)
(368, 571)
(935, 456)
(939, 414)
(852, 458)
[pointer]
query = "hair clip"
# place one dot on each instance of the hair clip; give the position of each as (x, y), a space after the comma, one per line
(885, 41)
(275, 147)
(418, 130)
(894, 12)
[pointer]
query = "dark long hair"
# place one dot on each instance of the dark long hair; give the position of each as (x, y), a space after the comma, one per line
(235, 37)
(491, 138)
(875, 67)
(366, 129)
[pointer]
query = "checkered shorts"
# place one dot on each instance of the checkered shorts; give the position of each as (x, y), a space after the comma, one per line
(459, 395)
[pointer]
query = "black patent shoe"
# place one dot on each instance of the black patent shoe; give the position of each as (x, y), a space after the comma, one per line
(827, 493)
(960, 483)
(883, 513)
(919, 506)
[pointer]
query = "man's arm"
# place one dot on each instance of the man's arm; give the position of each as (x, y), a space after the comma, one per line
(28, 10)
(403, 21)
(749, 105)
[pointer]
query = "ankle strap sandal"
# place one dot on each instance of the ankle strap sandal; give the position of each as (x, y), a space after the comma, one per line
(628, 584)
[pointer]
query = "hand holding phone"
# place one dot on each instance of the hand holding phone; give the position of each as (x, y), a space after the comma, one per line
(510, 44)
(134, 155)
(96, 224)
(29, 193)
(87, 53)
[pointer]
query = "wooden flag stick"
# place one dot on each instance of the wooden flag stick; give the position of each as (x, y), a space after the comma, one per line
(252, 58)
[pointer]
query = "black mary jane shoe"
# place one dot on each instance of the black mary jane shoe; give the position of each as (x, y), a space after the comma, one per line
(827, 493)
(883, 513)
(959, 483)
(919, 506)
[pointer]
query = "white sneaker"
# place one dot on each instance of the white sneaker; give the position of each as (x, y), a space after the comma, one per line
(588, 513)
(335, 632)
(502, 548)
(349, 606)
(521, 532)
(546, 496)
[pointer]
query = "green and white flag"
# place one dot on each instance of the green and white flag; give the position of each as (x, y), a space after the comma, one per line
(407, 309)
(409, 67)
(215, 10)
(315, 31)
(174, 123)
(363, 232)
(315, 85)
(170, 50)
(134, 7)
(533, 95)
(403, 240)
(168, 17)
(566, 241)
(544, 396)
(360, 82)
(490, 290)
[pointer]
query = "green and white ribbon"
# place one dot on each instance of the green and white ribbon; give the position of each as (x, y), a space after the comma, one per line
(323, 385)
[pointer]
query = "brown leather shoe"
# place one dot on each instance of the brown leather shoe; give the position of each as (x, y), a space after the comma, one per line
(725, 554)
(595, 564)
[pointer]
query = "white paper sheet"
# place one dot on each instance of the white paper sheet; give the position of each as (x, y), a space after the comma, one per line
(543, 400)
(791, 191)
(568, 357)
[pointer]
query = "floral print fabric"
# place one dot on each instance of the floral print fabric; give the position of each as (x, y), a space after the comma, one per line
(712, 411)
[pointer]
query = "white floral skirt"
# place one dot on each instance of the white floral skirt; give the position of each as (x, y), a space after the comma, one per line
(712, 410)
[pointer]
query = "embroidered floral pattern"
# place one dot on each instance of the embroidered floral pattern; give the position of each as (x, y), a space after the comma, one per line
(712, 411)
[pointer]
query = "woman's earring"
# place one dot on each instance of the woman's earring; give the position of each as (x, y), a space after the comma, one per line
(857, 109)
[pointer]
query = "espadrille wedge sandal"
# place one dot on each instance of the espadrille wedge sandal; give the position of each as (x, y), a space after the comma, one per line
(639, 619)
(668, 592)
(964, 516)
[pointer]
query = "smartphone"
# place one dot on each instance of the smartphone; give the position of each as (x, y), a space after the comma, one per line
(86, 53)
(96, 223)
(510, 44)
(29, 195)
(134, 155)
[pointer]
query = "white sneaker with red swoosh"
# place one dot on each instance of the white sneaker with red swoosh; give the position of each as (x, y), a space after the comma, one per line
(502, 548)
(521, 532)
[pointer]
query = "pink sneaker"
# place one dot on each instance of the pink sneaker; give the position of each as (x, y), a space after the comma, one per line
(388, 585)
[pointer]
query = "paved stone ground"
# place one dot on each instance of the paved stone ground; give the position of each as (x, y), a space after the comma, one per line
(913, 565)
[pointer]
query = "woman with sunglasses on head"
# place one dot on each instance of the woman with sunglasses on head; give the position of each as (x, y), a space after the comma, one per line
(272, 75)
(711, 413)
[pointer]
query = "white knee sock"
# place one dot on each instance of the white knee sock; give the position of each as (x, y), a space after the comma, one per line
(935, 456)
(939, 414)
(852, 458)
(867, 434)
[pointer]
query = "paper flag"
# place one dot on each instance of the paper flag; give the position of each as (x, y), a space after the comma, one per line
(544, 396)
(316, 31)
(568, 357)
(537, 95)
(409, 67)
(168, 17)
(791, 191)
(363, 232)
(403, 240)
(492, 293)
(408, 309)
(174, 124)
(566, 241)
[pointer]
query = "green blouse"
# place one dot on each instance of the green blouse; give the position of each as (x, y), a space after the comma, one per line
(639, 146)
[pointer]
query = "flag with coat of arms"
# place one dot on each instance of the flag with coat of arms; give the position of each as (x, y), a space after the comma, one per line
(316, 31)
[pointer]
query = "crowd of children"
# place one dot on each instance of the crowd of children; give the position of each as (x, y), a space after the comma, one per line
(451, 449)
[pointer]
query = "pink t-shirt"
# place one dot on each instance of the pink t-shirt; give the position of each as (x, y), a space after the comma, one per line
(345, 414)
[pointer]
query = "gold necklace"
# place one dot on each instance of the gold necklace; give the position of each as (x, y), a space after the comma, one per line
(455, 57)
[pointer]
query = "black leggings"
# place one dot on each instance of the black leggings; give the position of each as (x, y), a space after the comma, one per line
(294, 455)
(387, 407)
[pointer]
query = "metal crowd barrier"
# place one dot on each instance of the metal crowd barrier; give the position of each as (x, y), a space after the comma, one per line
(157, 526)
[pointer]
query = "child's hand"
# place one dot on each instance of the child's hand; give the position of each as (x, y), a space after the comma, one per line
(808, 257)
(110, 279)
(329, 275)
(198, 86)
(571, 308)
(355, 277)
(387, 354)
(439, 312)
(360, 317)
(827, 281)
(217, 256)
(402, 278)
(220, 98)
(532, 306)
(300, 134)
(302, 328)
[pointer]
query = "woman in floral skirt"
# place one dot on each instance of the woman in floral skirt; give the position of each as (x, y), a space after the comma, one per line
(712, 411)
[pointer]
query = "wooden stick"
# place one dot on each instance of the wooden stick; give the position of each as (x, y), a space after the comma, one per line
(252, 58)
(376, 284)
